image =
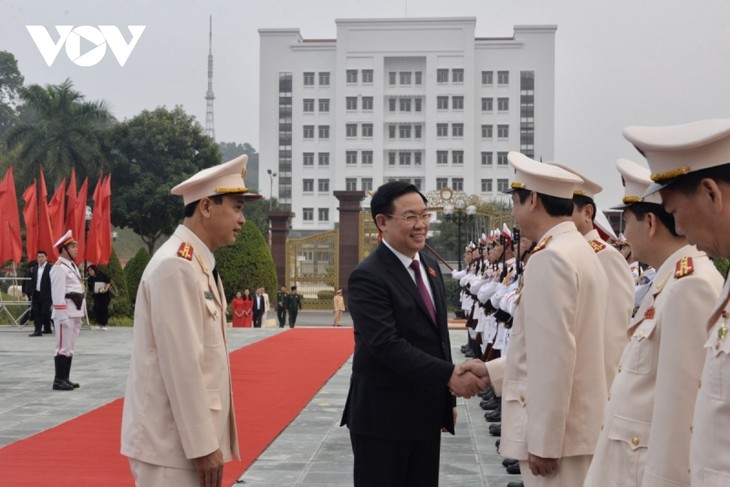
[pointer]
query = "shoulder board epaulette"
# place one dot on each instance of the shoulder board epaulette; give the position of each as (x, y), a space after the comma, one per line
(58, 262)
(597, 245)
(543, 243)
(684, 267)
(185, 251)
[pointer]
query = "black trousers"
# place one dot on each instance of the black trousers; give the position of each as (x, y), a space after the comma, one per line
(396, 463)
(281, 316)
(257, 319)
(41, 312)
(293, 312)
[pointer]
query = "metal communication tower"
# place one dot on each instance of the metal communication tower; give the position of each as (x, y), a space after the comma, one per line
(209, 97)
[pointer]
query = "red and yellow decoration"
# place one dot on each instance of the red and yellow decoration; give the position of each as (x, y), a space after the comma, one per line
(543, 243)
(649, 313)
(684, 267)
(185, 251)
(597, 245)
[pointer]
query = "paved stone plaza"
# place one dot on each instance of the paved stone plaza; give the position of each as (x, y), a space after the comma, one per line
(312, 451)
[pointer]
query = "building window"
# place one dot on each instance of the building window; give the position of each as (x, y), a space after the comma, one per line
(367, 102)
(405, 104)
(487, 131)
(501, 158)
(487, 104)
(392, 103)
(351, 130)
(351, 76)
(367, 130)
(417, 104)
(486, 185)
(308, 185)
(457, 102)
(502, 185)
(457, 129)
(487, 158)
(392, 76)
(442, 75)
(366, 184)
(323, 159)
(502, 77)
(308, 104)
(324, 131)
(351, 103)
(323, 185)
(324, 105)
(418, 183)
(503, 104)
(351, 157)
(405, 78)
(367, 75)
(324, 78)
(391, 158)
(391, 131)
(418, 77)
(442, 102)
(351, 184)
(442, 130)
(417, 131)
(308, 214)
(457, 157)
(457, 75)
(487, 77)
(308, 79)
(442, 157)
(367, 157)
(442, 183)
(308, 131)
(308, 159)
(503, 131)
(324, 214)
(404, 158)
(457, 184)
(404, 131)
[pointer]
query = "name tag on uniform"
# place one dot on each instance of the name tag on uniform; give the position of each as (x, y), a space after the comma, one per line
(208, 295)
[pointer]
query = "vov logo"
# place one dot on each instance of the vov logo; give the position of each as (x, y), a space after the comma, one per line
(99, 38)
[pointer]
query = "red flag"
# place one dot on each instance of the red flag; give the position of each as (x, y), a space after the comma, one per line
(93, 240)
(79, 219)
(71, 202)
(56, 211)
(30, 216)
(106, 221)
(10, 246)
(46, 237)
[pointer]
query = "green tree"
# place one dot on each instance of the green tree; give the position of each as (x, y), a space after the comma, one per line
(722, 265)
(63, 130)
(247, 264)
(11, 81)
(151, 153)
(133, 272)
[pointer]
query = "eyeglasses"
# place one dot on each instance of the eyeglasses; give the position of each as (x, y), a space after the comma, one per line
(413, 219)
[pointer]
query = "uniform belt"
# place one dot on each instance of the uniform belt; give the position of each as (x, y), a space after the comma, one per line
(77, 298)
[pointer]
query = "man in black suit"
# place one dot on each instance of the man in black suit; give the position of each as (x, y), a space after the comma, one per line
(403, 381)
(259, 307)
(40, 295)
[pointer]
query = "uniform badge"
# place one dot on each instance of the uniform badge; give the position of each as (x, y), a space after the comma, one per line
(597, 245)
(208, 295)
(185, 251)
(649, 314)
(431, 272)
(684, 267)
(543, 243)
(722, 331)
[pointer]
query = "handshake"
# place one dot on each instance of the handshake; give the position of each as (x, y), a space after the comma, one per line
(469, 378)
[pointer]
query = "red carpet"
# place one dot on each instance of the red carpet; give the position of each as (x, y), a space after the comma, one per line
(272, 382)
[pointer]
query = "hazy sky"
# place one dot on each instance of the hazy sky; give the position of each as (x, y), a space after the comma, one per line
(618, 63)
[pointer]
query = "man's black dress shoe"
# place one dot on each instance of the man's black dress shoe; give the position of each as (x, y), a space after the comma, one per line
(494, 416)
(497, 430)
(509, 461)
(514, 469)
(34, 334)
(516, 484)
(489, 404)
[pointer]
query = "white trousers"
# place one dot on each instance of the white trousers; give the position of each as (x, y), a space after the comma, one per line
(67, 332)
(571, 473)
(149, 475)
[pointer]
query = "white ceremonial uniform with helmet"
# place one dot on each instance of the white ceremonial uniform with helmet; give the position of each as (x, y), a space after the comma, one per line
(67, 317)
(178, 403)
(552, 381)
(673, 152)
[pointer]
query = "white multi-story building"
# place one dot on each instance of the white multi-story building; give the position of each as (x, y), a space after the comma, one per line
(422, 100)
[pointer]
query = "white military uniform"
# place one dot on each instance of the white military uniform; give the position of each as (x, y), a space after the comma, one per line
(66, 279)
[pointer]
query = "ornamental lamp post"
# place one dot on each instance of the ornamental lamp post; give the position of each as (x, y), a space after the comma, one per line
(272, 175)
(458, 214)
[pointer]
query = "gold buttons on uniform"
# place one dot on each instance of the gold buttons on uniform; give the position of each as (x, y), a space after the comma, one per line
(635, 441)
(619, 368)
(522, 398)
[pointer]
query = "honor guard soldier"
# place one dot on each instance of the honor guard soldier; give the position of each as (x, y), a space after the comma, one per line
(281, 306)
(178, 422)
(553, 380)
(69, 308)
(690, 166)
(620, 280)
(646, 423)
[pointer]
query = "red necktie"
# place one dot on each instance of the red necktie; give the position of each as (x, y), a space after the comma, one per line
(422, 290)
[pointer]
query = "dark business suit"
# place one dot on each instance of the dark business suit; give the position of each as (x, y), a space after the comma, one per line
(402, 364)
(258, 310)
(41, 301)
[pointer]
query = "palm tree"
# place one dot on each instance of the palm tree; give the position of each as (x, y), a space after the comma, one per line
(62, 131)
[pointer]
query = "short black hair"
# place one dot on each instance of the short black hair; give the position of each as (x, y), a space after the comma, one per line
(293, 288)
(581, 201)
(190, 207)
(641, 209)
(42, 252)
(554, 206)
(382, 201)
(688, 184)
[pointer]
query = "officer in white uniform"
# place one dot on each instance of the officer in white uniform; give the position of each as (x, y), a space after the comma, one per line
(69, 307)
